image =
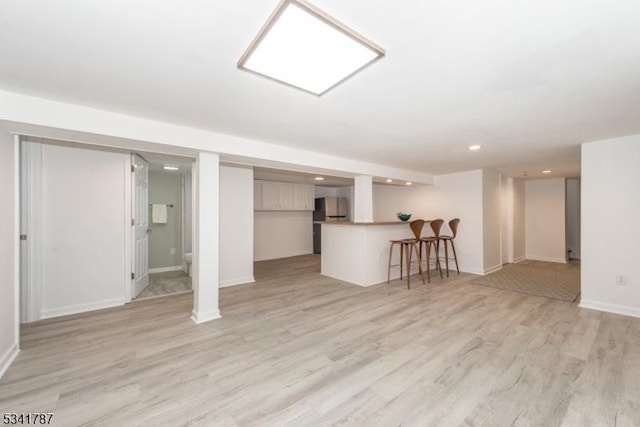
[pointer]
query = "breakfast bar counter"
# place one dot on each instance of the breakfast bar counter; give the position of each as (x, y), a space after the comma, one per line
(359, 252)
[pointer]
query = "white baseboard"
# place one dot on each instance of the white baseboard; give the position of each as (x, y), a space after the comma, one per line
(81, 308)
(269, 258)
(472, 271)
(547, 259)
(492, 269)
(478, 271)
(519, 259)
(234, 282)
(205, 317)
(165, 269)
(8, 357)
(610, 308)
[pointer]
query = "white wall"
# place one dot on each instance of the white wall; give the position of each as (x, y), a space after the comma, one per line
(460, 195)
(83, 229)
(282, 234)
(573, 217)
(610, 235)
(545, 220)
(321, 191)
(388, 200)
(491, 225)
(165, 187)
(9, 323)
(519, 229)
(236, 225)
(457, 195)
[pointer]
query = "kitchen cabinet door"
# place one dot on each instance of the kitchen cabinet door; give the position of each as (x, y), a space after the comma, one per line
(285, 199)
(266, 196)
(304, 197)
(282, 196)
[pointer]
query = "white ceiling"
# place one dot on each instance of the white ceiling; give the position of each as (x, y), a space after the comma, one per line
(529, 80)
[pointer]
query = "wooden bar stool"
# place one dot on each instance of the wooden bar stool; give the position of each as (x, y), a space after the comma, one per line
(434, 241)
(453, 225)
(409, 245)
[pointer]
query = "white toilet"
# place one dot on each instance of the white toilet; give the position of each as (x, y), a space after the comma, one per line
(188, 259)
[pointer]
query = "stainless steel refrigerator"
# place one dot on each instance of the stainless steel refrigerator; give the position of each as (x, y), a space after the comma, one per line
(327, 209)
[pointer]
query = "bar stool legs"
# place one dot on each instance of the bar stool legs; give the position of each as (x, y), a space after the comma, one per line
(426, 253)
(434, 240)
(446, 255)
(429, 243)
(416, 228)
(410, 246)
(453, 225)
(389, 264)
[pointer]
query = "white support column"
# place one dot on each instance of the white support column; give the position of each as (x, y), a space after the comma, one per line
(363, 199)
(206, 212)
(510, 219)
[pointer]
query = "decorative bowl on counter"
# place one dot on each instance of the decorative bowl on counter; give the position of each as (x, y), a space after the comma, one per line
(404, 216)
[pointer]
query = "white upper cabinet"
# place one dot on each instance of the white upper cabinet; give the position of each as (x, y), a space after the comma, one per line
(267, 196)
(283, 196)
(304, 197)
(285, 193)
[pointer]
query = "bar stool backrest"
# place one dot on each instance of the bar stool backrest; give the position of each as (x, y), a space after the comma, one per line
(436, 225)
(453, 225)
(416, 227)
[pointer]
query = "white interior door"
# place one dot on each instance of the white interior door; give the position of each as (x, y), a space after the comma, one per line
(140, 221)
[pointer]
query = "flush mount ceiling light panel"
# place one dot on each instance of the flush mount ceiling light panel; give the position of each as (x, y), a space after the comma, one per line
(304, 47)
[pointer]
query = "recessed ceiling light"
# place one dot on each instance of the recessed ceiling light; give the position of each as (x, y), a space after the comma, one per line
(547, 171)
(319, 178)
(475, 147)
(408, 183)
(389, 180)
(304, 47)
(171, 168)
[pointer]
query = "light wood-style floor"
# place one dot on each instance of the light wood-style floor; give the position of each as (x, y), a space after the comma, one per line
(296, 348)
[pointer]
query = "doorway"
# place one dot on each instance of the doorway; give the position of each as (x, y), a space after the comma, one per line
(162, 230)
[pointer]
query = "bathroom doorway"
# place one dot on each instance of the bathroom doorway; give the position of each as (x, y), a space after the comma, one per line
(167, 212)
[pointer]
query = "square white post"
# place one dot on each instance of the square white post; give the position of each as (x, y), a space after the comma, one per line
(363, 199)
(206, 213)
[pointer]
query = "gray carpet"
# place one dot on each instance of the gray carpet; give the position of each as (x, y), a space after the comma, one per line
(544, 279)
